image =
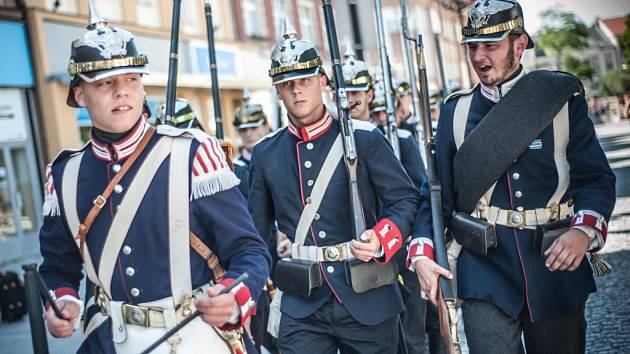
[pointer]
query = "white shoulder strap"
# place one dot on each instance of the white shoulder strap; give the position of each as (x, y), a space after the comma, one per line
(69, 185)
(319, 189)
(460, 118)
(560, 142)
(129, 207)
(178, 220)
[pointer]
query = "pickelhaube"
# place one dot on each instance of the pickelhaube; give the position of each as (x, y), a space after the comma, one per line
(184, 116)
(293, 58)
(378, 102)
(355, 72)
(102, 52)
(249, 114)
(402, 88)
(493, 20)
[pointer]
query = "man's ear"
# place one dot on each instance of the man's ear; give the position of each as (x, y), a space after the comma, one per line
(370, 95)
(78, 96)
(520, 44)
(323, 81)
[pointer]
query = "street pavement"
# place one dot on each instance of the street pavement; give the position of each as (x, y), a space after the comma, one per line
(607, 311)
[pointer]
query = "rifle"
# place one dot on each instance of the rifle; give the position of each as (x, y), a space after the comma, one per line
(447, 302)
(411, 70)
(392, 129)
(213, 72)
(349, 146)
(438, 47)
(216, 96)
(171, 87)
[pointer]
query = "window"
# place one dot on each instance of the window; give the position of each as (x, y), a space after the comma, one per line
(281, 9)
(308, 18)
(147, 13)
(60, 5)
(190, 13)
(110, 9)
(609, 60)
(254, 19)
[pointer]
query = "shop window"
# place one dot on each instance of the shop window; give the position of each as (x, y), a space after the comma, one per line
(190, 13)
(25, 200)
(7, 219)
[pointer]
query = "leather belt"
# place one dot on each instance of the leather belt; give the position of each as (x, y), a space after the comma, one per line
(147, 316)
(526, 219)
(337, 253)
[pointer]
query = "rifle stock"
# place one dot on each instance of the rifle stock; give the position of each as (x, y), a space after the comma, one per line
(447, 301)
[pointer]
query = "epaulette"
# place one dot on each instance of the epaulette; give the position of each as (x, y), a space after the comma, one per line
(270, 135)
(404, 133)
(460, 93)
(362, 125)
(67, 153)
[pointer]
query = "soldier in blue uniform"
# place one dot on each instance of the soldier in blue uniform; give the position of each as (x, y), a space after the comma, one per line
(360, 93)
(251, 123)
(286, 167)
(560, 175)
(170, 222)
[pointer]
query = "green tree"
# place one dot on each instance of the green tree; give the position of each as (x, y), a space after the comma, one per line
(615, 83)
(579, 68)
(561, 31)
(624, 41)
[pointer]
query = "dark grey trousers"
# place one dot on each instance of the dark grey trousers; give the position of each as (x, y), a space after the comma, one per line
(489, 330)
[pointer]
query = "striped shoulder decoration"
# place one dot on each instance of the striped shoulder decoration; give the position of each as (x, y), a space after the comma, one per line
(51, 202)
(210, 171)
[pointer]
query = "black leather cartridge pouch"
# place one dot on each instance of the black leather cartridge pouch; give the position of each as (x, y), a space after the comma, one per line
(364, 276)
(297, 277)
(545, 234)
(474, 234)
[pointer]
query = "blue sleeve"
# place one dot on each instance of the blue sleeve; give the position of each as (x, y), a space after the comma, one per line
(445, 152)
(412, 161)
(394, 188)
(592, 185)
(235, 240)
(242, 172)
(260, 202)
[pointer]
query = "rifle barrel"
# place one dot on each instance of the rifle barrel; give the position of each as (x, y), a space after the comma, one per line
(171, 87)
(216, 98)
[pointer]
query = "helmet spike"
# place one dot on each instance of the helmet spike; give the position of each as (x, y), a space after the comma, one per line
(96, 21)
(289, 30)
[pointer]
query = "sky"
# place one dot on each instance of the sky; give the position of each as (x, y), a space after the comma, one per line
(586, 10)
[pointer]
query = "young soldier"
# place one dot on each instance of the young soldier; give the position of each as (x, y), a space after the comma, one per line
(286, 168)
(528, 137)
(137, 207)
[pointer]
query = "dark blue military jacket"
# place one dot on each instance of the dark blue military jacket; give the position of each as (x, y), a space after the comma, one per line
(241, 170)
(513, 275)
(284, 167)
(218, 216)
(410, 156)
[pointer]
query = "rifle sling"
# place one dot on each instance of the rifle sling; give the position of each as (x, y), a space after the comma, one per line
(520, 116)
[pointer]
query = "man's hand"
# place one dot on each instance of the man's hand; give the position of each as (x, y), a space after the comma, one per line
(428, 273)
(567, 251)
(217, 309)
(367, 247)
(284, 248)
(63, 327)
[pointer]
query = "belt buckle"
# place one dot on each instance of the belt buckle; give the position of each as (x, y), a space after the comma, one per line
(332, 253)
(516, 218)
(136, 315)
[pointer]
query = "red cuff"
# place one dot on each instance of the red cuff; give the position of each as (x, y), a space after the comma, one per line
(390, 238)
(62, 292)
(420, 247)
(244, 300)
(592, 219)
